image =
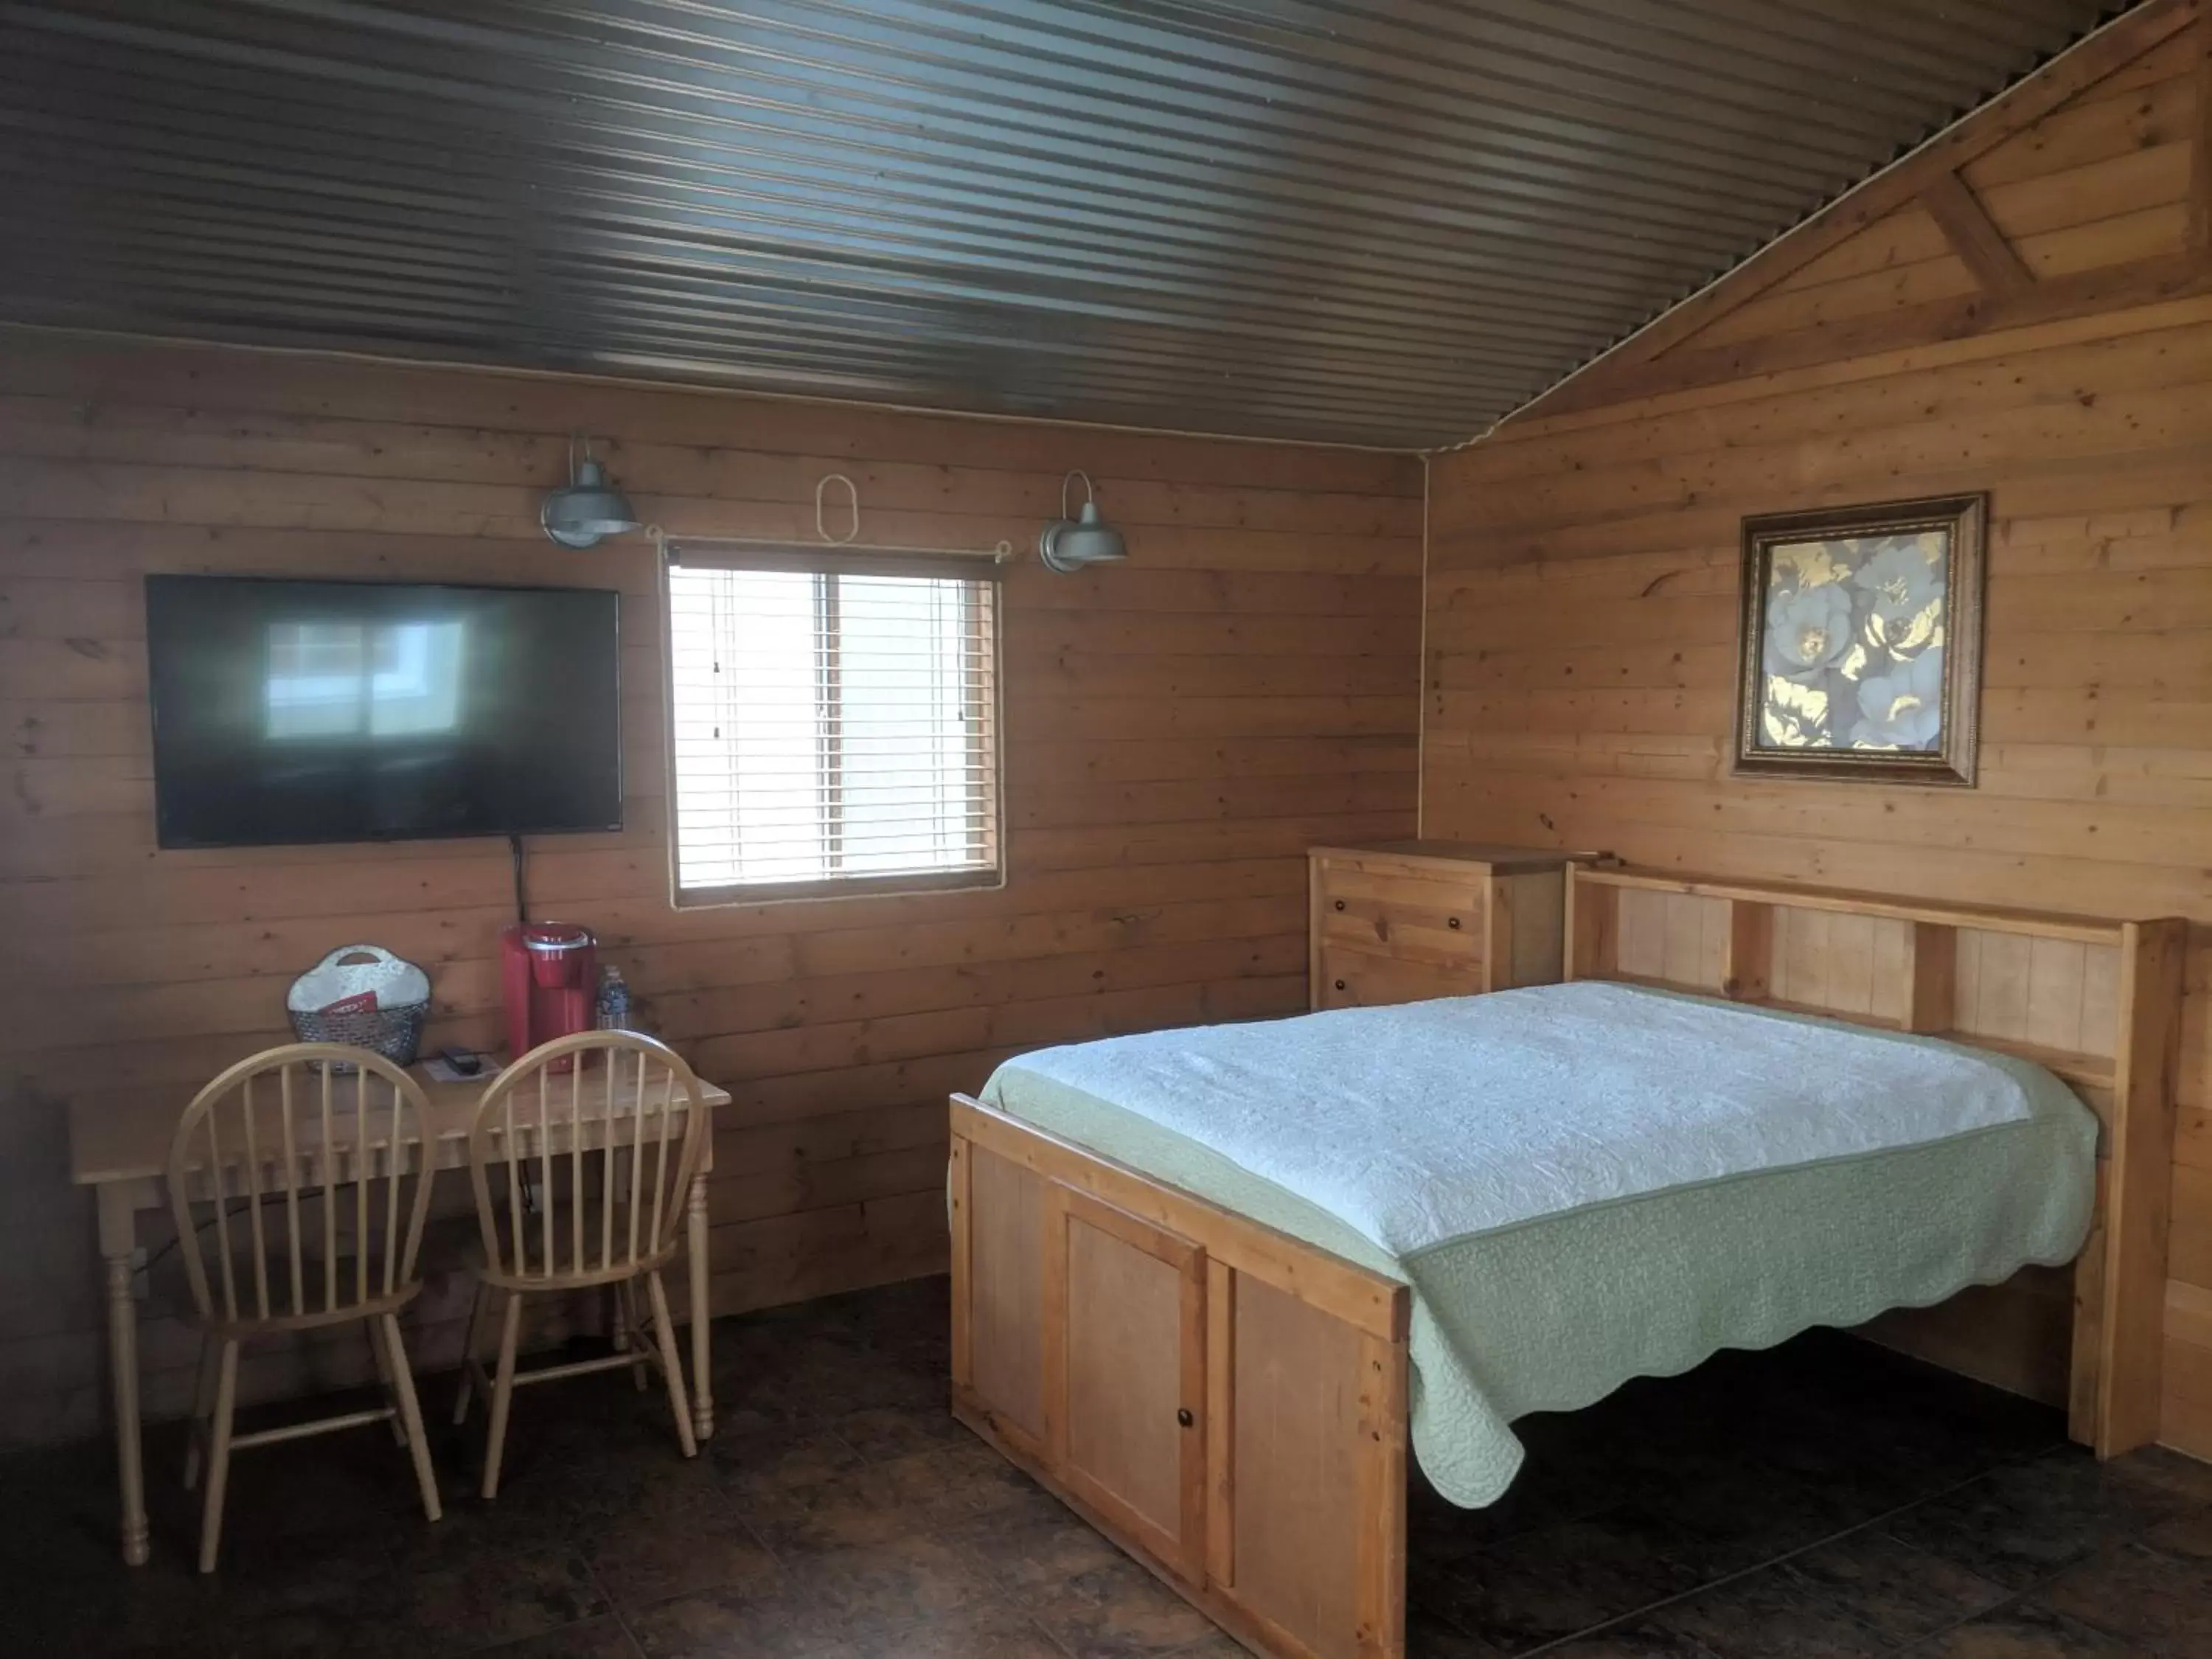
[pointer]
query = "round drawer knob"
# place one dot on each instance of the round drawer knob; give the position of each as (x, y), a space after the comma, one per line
(1339, 984)
(1452, 922)
(1183, 1416)
(1339, 904)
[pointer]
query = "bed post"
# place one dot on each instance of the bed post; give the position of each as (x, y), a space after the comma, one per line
(2129, 1290)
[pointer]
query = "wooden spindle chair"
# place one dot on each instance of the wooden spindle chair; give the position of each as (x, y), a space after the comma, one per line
(299, 1196)
(582, 1174)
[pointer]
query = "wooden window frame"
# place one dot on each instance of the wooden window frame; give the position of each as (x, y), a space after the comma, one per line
(822, 561)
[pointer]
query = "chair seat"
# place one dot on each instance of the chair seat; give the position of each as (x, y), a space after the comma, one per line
(283, 1315)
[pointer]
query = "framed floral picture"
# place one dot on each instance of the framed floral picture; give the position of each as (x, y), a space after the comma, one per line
(1861, 641)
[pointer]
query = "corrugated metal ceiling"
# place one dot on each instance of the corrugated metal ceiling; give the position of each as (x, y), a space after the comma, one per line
(1382, 223)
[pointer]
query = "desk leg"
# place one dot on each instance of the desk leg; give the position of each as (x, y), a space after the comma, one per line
(117, 1240)
(702, 1393)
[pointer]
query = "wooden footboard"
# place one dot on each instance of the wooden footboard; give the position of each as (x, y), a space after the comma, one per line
(1225, 1402)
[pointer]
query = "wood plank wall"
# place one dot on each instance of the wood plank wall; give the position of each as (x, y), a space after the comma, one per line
(1180, 730)
(1581, 592)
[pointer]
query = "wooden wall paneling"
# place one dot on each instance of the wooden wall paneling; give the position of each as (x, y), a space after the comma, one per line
(1180, 730)
(2199, 128)
(1665, 354)
(1582, 569)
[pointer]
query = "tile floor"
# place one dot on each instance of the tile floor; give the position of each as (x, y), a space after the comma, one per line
(1825, 1498)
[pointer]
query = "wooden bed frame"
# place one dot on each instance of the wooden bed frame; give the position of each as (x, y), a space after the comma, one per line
(1228, 1404)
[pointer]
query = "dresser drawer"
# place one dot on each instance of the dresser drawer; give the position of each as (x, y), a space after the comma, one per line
(1405, 922)
(1348, 978)
(1434, 922)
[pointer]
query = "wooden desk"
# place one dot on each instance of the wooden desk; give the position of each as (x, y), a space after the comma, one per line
(123, 1154)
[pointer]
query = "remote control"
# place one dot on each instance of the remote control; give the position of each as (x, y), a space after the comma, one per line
(462, 1061)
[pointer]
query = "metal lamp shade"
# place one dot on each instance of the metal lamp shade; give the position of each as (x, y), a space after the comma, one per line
(581, 513)
(1068, 545)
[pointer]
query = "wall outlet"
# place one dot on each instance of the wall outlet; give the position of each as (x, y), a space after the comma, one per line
(141, 1282)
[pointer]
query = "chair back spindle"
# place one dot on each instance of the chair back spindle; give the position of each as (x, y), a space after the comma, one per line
(269, 1163)
(622, 1125)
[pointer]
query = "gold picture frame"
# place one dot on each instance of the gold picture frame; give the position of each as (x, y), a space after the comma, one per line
(1859, 644)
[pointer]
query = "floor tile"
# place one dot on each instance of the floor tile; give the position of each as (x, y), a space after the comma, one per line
(978, 1630)
(1118, 1611)
(733, 1621)
(1541, 1586)
(2161, 1602)
(1769, 1614)
(1634, 1641)
(2025, 1632)
(1901, 1592)
(1220, 1645)
(1721, 1522)
(603, 1638)
(956, 1478)
(906, 1581)
(689, 1541)
(2188, 1535)
(878, 1433)
(454, 1601)
(1429, 1637)
(841, 1513)
(2022, 1522)
(845, 1512)
(757, 1466)
(68, 1593)
(1030, 1548)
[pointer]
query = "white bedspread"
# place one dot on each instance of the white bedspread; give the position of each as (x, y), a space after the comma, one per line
(1585, 1094)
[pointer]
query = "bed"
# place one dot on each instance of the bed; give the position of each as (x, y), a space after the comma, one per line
(1205, 1283)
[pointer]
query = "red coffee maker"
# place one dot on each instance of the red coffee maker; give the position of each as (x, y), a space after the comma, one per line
(551, 973)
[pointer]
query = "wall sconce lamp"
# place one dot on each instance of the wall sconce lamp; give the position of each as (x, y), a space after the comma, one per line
(1068, 545)
(587, 508)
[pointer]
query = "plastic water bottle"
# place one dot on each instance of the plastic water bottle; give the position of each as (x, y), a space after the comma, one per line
(611, 1011)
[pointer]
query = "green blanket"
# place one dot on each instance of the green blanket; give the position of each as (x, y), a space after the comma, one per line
(1556, 1312)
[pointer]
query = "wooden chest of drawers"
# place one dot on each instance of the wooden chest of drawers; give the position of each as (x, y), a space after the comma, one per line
(1403, 920)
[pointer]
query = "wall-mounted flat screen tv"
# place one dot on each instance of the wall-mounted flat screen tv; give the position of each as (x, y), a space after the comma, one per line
(316, 711)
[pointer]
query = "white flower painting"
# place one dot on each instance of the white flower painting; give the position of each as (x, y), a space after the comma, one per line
(1854, 648)
(1852, 627)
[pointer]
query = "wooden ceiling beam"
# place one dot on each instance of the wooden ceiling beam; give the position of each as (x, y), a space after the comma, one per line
(2111, 288)
(2110, 48)
(1974, 236)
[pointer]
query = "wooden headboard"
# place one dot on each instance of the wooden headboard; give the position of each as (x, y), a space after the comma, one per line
(2096, 1002)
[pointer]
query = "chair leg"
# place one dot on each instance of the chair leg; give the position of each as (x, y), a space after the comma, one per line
(218, 1474)
(411, 1414)
(626, 1300)
(664, 1331)
(384, 1378)
(203, 1406)
(471, 1340)
(502, 1394)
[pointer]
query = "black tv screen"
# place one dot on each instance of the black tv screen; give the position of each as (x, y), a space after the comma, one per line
(313, 711)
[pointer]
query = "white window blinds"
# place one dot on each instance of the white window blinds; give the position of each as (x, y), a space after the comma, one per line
(834, 724)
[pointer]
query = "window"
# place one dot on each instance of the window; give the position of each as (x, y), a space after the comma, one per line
(341, 680)
(834, 724)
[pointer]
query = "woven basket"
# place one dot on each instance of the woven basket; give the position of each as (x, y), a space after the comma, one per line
(394, 1031)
